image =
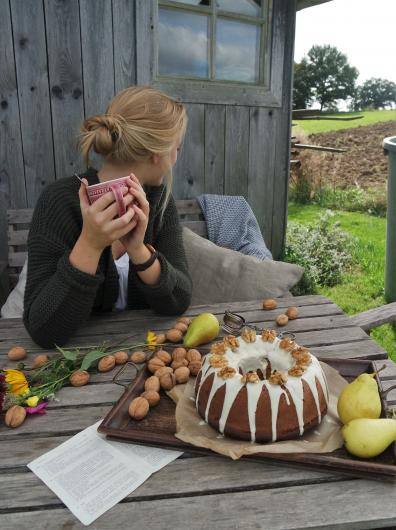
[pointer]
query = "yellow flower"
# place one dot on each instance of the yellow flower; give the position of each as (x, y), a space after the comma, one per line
(17, 380)
(32, 401)
(151, 340)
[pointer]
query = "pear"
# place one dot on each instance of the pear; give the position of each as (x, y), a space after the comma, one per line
(203, 328)
(360, 399)
(366, 438)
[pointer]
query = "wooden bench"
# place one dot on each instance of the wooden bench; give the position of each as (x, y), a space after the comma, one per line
(190, 215)
(18, 221)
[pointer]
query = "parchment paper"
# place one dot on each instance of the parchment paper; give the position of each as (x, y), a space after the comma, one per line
(191, 428)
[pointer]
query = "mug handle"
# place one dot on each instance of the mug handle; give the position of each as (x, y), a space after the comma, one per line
(119, 197)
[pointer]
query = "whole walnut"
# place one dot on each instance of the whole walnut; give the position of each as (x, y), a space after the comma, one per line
(17, 353)
(152, 397)
(182, 374)
(161, 338)
(193, 355)
(138, 408)
(179, 353)
(121, 357)
(152, 383)
(292, 313)
(167, 381)
(164, 356)
(138, 357)
(174, 335)
(79, 378)
(106, 363)
(40, 360)
(155, 364)
(15, 416)
(269, 303)
(195, 367)
(185, 320)
(181, 326)
(282, 320)
(179, 363)
(163, 370)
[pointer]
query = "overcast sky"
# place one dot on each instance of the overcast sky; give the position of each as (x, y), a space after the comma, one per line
(365, 30)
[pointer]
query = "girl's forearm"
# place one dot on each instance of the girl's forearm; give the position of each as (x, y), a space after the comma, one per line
(151, 275)
(84, 258)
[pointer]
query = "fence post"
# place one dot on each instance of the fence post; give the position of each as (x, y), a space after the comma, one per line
(389, 145)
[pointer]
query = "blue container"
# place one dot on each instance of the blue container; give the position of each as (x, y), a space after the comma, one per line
(390, 259)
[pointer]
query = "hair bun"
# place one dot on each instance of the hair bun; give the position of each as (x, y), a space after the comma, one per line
(101, 132)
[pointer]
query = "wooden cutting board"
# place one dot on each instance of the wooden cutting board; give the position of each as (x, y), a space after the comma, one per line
(158, 429)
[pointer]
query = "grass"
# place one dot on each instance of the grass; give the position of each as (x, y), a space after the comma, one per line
(362, 287)
(369, 118)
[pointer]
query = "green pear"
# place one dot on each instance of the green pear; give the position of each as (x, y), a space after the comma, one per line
(360, 399)
(203, 328)
(366, 438)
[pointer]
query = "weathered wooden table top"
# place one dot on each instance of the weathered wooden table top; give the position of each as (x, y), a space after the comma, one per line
(194, 491)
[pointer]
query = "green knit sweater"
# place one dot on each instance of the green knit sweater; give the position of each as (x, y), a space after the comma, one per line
(59, 297)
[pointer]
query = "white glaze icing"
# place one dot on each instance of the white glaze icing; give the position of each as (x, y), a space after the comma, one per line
(253, 356)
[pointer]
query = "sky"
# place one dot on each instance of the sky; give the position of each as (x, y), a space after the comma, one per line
(365, 30)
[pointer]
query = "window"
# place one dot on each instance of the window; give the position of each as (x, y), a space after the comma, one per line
(220, 41)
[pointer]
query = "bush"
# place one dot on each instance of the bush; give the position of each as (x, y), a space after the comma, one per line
(352, 199)
(323, 249)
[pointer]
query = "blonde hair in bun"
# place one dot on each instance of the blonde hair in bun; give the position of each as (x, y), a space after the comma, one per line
(139, 122)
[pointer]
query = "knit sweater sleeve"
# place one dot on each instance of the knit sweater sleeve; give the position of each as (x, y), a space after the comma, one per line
(58, 297)
(171, 295)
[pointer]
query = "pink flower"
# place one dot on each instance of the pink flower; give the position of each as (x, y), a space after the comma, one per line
(39, 409)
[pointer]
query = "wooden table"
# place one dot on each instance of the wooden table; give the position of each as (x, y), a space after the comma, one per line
(194, 491)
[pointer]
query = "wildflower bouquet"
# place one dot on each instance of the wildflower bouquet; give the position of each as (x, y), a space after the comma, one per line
(28, 390)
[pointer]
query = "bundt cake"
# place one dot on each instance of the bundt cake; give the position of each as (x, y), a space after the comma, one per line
(261, 388)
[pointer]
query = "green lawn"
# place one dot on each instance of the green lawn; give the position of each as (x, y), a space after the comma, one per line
(363, 287)
(369, 118)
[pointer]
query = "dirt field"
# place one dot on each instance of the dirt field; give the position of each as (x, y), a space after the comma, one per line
(364, 163)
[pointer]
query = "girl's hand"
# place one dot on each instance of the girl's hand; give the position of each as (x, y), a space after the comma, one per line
(101, 226)
(134, 240)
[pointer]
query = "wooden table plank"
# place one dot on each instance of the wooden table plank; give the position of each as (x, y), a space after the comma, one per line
(180, 478)
(350, 504)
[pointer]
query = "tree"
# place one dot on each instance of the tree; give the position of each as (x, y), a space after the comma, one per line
(375, 93)
(329, 75)
(302, 90)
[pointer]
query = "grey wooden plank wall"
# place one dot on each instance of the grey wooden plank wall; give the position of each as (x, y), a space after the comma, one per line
(62, 60)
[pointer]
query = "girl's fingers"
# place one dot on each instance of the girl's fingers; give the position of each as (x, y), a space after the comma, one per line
(123, 221)
(141, 197)
(82, 194)
(140, 213)
(112, 211)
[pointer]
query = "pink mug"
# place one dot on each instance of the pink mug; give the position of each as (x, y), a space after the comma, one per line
(117, 186)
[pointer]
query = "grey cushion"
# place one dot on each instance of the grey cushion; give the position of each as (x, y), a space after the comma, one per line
(13, 307)
(224, 275)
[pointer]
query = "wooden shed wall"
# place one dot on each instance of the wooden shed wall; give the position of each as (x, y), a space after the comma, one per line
(62, 60)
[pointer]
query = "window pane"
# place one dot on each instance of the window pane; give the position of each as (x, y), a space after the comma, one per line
(246, 7)
(183, 43)
(237, 51)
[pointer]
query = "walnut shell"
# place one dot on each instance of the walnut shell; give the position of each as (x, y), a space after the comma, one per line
(155, 364)
(177, 364)
(121, 357)
(164, 356)
(164, 370)
(152, 383)
(193, 355)
(167, 381)
(138, 357)
(138, 408)
(40, 360)
(292, 313)
(269, 303)
(195, 367)
(182, 375)
(179, 353)
(152, 397)
(15, 416)
(181, 326)
(174, 335)
(106, 363)
(282, 320)
(161, 338)
(17, 353)
(185, 320)
(79, 378)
